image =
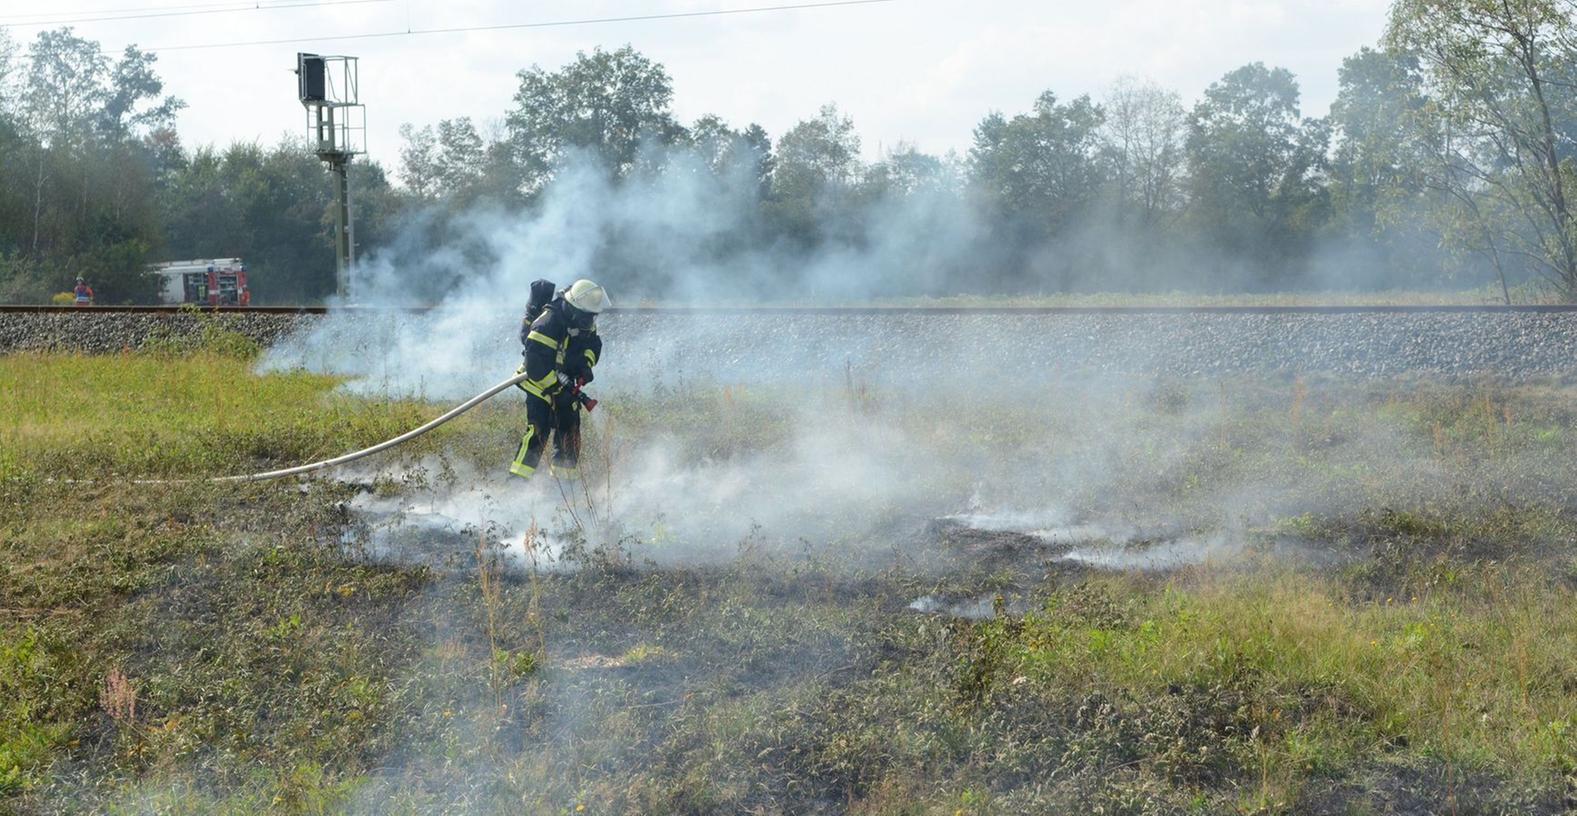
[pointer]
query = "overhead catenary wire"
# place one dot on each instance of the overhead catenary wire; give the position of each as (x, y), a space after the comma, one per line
(125, 10)
(634, 18)
(136, 9)
(230, 8)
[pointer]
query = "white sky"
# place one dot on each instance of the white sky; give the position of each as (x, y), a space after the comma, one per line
(921, 71)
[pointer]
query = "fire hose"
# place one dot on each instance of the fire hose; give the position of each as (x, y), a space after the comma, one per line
(381, 446)
(361, 454)
(574, 390)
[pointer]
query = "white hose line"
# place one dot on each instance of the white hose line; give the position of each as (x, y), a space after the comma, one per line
(349, 457)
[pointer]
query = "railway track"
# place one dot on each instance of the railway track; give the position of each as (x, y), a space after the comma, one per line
(848, 310)
(1350, 341)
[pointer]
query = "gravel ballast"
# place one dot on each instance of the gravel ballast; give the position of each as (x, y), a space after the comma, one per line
(907, 345)
(1514, 346)
(92, 332)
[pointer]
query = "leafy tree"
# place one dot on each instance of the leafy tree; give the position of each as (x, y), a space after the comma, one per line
(814, 175)
(920, 230)
(66, 89)
(22, 280)
(1241, 139)
(273, 207)
(502, 182)
(13, 145)
(1500, 72)
(78, 178)
(8, 83)
(450, 164)
(1035, 177)
(907, 171)
(1253, 165)
(1143, 141)
(461, 158)
(756, 146)
(1377, 155)
(740, 159)
(378, 207)
(822, 151)
(605, 104)
(716, 144)
(1460, 132)
(419, 160)
(1381, 200)
(1039, 170)
(132, 83)
(63, 93)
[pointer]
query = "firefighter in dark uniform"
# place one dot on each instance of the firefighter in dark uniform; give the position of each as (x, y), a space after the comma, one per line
(561, 348)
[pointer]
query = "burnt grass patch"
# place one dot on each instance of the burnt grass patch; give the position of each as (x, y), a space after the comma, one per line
(793, 684)
(1421, 787)
(203, 649)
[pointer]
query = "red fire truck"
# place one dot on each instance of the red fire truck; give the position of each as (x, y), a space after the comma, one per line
(214, 282)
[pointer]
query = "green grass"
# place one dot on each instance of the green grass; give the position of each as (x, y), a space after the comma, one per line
(1479, 673)
(1423, 650)
(149, 414)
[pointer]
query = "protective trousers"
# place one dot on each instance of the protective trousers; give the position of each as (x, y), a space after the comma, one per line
(560, 417)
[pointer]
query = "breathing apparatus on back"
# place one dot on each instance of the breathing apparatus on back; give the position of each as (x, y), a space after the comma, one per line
(582, 301)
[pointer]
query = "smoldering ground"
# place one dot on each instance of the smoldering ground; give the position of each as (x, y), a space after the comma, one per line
(776, 515)
(741, 634)
(761, 556)
(836, 425)
(682, 477)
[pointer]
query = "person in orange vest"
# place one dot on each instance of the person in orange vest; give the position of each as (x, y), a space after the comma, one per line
(83, 293)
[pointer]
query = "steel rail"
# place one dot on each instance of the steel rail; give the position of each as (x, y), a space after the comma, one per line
(840, 310)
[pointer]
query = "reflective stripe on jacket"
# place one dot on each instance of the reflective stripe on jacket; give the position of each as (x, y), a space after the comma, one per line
(552, 347)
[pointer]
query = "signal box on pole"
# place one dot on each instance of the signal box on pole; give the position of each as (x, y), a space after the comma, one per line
(328, 87)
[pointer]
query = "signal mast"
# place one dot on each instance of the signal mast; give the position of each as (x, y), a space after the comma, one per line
(328, 87)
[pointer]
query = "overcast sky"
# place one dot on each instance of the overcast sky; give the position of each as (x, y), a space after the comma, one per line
(918, 71)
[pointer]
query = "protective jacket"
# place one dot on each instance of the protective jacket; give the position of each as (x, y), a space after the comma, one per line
(553, 347)
(556, 352)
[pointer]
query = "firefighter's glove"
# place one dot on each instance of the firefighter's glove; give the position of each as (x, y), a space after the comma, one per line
(521, 370)
(577, 372)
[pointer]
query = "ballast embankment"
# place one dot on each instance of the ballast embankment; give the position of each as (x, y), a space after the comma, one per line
(999, 349)
(904, 345)
(108, 332)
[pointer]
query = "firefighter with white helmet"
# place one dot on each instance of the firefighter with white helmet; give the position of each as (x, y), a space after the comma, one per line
(561, 343)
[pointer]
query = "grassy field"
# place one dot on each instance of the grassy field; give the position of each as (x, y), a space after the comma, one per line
(1393, 634)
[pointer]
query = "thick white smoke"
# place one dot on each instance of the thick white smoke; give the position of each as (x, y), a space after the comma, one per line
(972, 414)
(678, 235)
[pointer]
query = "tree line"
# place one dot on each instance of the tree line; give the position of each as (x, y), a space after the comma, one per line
(1445, 161)
(95, 182)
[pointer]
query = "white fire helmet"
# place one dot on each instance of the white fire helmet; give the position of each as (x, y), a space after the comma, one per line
(586, 296)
